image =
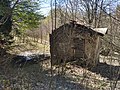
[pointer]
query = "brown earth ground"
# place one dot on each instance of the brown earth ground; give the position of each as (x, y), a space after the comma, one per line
(72, 77)
(39, 76)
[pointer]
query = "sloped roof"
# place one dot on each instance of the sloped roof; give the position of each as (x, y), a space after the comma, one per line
(102, 31)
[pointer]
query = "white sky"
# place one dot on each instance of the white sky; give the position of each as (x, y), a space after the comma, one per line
(45, 7)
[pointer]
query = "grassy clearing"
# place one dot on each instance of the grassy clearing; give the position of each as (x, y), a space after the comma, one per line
(28, 45)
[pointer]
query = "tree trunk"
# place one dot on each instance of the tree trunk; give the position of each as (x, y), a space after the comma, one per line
(6, 22)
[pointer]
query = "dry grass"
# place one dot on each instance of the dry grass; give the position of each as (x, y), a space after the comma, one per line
(18, 47)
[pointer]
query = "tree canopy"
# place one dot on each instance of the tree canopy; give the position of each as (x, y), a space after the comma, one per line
(18, 16)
